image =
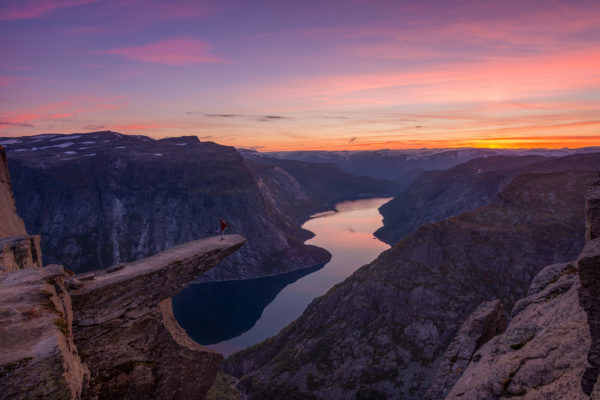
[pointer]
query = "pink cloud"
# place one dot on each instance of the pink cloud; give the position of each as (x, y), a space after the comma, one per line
(485, 80)
(25, 9)
(171, 51)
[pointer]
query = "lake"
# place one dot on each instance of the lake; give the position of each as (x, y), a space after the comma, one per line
(231, 315)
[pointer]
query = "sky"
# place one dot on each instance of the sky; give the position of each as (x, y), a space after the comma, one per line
(313, 75)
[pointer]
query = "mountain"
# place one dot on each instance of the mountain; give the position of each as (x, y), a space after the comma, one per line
(436, 195)
(400, 165)
(383, 331)
(324, 183)
(404, 165)
(104, 198)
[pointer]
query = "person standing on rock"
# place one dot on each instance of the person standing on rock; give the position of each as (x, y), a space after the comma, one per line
(224, 225)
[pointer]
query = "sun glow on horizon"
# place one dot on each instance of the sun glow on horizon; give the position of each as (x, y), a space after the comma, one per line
(287, 76)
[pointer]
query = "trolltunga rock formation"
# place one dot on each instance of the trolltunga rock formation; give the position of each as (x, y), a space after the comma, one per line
(125, 329)
(110, 334)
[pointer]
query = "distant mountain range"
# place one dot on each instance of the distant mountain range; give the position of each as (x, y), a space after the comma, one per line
(405, 165)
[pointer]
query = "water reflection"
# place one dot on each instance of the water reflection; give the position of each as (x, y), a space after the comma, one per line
(216, 311)
(229, 316)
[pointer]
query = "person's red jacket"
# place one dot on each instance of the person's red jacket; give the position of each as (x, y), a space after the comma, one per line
(224, 224)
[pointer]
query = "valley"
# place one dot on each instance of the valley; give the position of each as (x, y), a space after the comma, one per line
(317, 308)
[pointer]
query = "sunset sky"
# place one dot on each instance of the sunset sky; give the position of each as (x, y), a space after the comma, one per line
(285, 75)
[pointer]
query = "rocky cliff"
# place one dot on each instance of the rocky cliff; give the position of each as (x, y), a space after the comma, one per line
(17, 248)
(10, 223)
(103, 198)
(550, 348)
(382, 333)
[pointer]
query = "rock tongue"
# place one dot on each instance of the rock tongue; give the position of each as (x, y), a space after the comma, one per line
(127, 334)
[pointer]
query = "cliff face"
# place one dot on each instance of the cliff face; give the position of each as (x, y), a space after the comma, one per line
(17, 248)
(10, 223)
(103, 198)
(383, 331)
(39, 358)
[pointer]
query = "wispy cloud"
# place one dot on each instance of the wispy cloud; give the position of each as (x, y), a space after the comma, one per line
(179, 52)
(260, 118)
(20, 124)
(26, 9)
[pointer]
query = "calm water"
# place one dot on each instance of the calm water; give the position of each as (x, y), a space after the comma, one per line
(232, 315)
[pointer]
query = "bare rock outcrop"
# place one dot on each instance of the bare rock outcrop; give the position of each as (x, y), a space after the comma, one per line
(487, 321)
(125, 329)
(38, 357)
(551, 348)
(542, 354)
(18, 252)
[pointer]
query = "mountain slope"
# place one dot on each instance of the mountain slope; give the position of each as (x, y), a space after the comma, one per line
(325, 184)
(436, 195)
(381, 332)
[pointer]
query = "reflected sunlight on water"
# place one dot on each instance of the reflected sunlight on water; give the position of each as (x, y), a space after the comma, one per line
(347, 234)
